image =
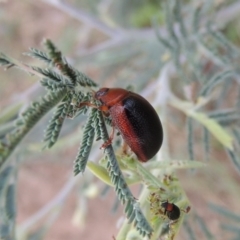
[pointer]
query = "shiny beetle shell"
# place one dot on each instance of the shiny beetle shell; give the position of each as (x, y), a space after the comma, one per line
(171, 210)
(135, 119)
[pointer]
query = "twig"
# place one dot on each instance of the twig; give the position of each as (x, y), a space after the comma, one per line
(84, 17)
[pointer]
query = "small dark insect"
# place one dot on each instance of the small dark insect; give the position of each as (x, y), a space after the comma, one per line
(171, 210)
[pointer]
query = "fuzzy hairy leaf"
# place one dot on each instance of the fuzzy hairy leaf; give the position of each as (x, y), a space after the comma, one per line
(53, 85)
(82, 79)
(86, 145)
(124, 194)
(53, 75)
(29, 119)
(36, 53)
(55, 125)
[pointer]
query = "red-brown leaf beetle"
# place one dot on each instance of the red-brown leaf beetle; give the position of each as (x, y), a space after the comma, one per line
(135, 119)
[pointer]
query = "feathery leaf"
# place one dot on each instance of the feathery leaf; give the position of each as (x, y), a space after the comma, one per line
(121, 188)
(29, 118)
(216, 79)
(36, 53)
(55, 125)
(86, 145)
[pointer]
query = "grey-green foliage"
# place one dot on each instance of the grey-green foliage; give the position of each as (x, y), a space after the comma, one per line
(225, 116)
(55, 125)
(36, 53)
(192, 45)
(58, 86)
(216, 79)
(27, 120)
(63, 90)
(199, 45)
(204, 57)
(86, 145)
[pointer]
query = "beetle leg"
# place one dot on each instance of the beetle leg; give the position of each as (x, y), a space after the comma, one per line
(186, 210)
(83, 104)
(109, 141)
(103, 108)
(125, 148)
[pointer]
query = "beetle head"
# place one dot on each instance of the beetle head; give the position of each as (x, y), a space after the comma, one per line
(100, 93)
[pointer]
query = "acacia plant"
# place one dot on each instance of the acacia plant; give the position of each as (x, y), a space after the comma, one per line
(193, 66)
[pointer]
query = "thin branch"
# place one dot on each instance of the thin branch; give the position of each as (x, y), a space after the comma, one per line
(84, 17)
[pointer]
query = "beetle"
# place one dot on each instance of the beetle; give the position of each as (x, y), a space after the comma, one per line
(171, 210)
(135, 118)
